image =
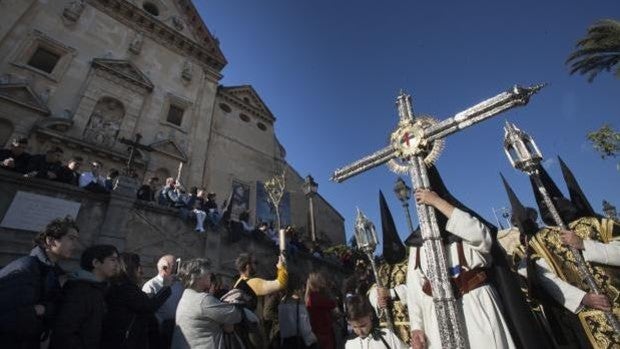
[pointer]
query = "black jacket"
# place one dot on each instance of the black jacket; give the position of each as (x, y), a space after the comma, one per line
(25, 282)
(130, 311)
(21, 162)
(145, 193)
(80, 314)
(67, 175)
(39, 164)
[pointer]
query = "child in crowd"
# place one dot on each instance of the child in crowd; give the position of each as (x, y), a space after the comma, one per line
(360, 317)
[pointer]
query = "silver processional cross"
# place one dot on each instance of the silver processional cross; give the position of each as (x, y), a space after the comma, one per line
(417, 142)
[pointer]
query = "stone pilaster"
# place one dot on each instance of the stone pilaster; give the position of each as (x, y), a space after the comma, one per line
(122, 199)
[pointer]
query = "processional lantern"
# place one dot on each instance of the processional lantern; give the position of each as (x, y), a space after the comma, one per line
(402, 190)
(521, 150)
(366, 238)
(365, 234)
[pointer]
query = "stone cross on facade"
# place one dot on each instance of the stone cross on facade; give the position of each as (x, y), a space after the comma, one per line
(414, 144)
(133, 145)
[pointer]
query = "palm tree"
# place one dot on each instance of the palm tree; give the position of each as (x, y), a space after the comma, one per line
(598, 51)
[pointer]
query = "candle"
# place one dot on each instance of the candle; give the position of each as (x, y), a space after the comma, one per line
(282, 240)
(179, 171)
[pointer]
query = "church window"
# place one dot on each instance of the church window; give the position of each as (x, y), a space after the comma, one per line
(261, 126)
(225, 107)
(246, 99)
(175, 115)
(44, 60)
(151, 8)
(244, 117)
(44, 55)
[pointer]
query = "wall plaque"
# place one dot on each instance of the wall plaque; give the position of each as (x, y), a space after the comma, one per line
(29, 211)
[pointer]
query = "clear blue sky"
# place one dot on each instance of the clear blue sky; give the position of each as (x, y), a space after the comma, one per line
(330, 72)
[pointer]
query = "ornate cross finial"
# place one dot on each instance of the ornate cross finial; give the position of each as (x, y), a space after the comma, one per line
(405, 109)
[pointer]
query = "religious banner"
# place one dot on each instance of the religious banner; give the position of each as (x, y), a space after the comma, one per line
(240, 199)
(29, 211)
(265, 211)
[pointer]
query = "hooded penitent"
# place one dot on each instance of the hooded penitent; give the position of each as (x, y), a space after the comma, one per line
(565, 207)
(577, 197)
(553, 319)
(394, 250)
(524, 218)
(522, 325)
(440, 188)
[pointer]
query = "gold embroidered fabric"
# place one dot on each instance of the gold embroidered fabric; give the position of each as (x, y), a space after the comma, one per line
(390, 276)
(547, 245)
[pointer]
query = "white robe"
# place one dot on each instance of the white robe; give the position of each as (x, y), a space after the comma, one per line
(369, 343)
(485, 326)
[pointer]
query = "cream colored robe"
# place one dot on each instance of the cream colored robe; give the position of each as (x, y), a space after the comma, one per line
(485, 326)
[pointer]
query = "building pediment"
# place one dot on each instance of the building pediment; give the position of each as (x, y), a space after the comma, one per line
(169, 29)
(23, 95)
(170, 148)
(125, 70)
(246, 96)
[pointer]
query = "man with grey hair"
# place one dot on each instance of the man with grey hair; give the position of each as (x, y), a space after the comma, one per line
(201, 318)
(166, 275)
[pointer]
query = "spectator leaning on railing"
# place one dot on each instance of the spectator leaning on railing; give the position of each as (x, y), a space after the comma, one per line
(15, 158)
(45, 166)
(147, 191)
(69, 173)
(92, 180)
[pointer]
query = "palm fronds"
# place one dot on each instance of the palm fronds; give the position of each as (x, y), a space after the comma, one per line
(598, 51)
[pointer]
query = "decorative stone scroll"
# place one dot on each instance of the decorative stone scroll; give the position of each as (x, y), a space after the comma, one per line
(72, 12)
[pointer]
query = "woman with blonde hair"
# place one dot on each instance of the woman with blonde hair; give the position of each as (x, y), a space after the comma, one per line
(320, 305)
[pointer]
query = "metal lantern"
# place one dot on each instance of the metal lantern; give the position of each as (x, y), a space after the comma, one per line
(365, 233)
(521, 149)
(402, 190)
(310, 187)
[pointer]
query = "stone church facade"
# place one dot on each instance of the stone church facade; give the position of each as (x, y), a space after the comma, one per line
(86, 74)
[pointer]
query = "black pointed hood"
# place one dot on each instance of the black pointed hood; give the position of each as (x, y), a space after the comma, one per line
(577, 197)
(440, 188)
(524, 218)
(565, 208)
(393, 249)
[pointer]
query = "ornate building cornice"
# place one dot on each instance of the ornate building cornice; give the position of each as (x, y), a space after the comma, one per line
(206, 53)
(73, 143)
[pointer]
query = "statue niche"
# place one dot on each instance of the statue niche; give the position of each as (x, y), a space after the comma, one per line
(105, 122)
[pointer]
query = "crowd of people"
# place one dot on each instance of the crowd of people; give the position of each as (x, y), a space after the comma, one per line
(106, 304)
(186, 305)
(49, 166)
(196, 205)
